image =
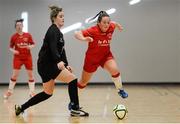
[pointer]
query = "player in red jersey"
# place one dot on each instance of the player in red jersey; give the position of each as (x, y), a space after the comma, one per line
(99, 53)
(20, 45)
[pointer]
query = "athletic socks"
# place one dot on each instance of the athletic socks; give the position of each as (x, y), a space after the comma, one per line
(12, 84)
(31, 84)
(73, 94)
(117, 81)
(35, 100)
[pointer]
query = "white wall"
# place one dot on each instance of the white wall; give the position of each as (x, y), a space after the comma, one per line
(179, 38)
(149, 42)
(146, 51)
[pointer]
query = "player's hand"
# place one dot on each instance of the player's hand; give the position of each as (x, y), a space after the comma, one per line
(61, 66)
(15, 52)
(29, 47)
(69, 68)
(88, 39)
(120, 28)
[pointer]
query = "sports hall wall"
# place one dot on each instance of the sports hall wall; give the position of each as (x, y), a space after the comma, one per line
(179, 38)
(148, 50)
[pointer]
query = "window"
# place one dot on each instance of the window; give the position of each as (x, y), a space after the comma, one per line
(24, 15)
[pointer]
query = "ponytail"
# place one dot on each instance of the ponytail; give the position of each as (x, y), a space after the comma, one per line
(100, 15)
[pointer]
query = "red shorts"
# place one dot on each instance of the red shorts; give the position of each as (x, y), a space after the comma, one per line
(18, 62)
(92, 62)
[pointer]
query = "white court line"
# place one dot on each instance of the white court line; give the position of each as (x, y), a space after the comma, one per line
(106, 100)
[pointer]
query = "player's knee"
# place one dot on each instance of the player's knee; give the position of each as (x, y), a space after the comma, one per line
(14, 76)
(116, 74)
(30, 76)
(81, 85)
(49, 92)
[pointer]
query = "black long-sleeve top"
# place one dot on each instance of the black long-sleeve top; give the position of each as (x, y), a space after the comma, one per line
(52, 50)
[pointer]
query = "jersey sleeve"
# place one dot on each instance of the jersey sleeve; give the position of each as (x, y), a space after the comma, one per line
(53, 43)
(31, 39)
(64, 57)
(88, 32)
(12, 44)
(112, 26)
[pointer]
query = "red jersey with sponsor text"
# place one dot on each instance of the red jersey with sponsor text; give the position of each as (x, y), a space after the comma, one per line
(18, 40)
(101, 40)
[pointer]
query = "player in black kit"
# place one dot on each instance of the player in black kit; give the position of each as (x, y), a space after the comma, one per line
(52, 64)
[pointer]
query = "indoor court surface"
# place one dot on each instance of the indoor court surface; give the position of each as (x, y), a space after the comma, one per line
(147, 103)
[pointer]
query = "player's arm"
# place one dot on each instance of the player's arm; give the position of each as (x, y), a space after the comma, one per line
(65, 61)
(118, 26)
(78, 35)
(32, 44)
(27, 46)
(14, 51)
(53, 41)
(11, 47)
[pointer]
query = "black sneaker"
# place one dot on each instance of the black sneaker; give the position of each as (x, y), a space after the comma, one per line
(72, 104)
(79, 113)
(18, 110)
(69, 106)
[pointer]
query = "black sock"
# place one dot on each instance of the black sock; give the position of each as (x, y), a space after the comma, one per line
(73, 94)
(35, 100)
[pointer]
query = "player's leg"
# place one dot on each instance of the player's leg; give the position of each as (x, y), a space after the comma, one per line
(88, 69)
(16, 69)
(48, 88)
(31, 83)
(12, 84)
(68, 77)
(111, 66)
(85, 78)
(29, 68)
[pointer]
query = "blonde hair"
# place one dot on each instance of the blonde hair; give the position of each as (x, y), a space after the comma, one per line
(54, 12)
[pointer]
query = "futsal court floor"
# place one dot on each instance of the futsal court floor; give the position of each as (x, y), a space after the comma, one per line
(155, 103)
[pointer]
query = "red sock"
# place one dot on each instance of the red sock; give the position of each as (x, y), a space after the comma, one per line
(80, 85)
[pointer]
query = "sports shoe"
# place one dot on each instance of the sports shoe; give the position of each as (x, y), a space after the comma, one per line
(78, 112)
(69, 106)
(123, 94)
(18, 110)
(7, 94)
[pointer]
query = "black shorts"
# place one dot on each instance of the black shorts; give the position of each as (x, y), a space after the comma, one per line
(48, 71)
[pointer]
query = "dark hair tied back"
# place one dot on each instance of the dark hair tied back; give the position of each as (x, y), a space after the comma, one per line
(100, 15)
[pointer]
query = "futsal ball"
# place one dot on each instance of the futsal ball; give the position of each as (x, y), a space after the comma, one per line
(120, 111)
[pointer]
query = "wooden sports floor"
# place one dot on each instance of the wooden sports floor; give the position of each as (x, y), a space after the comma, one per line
(155, 103)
